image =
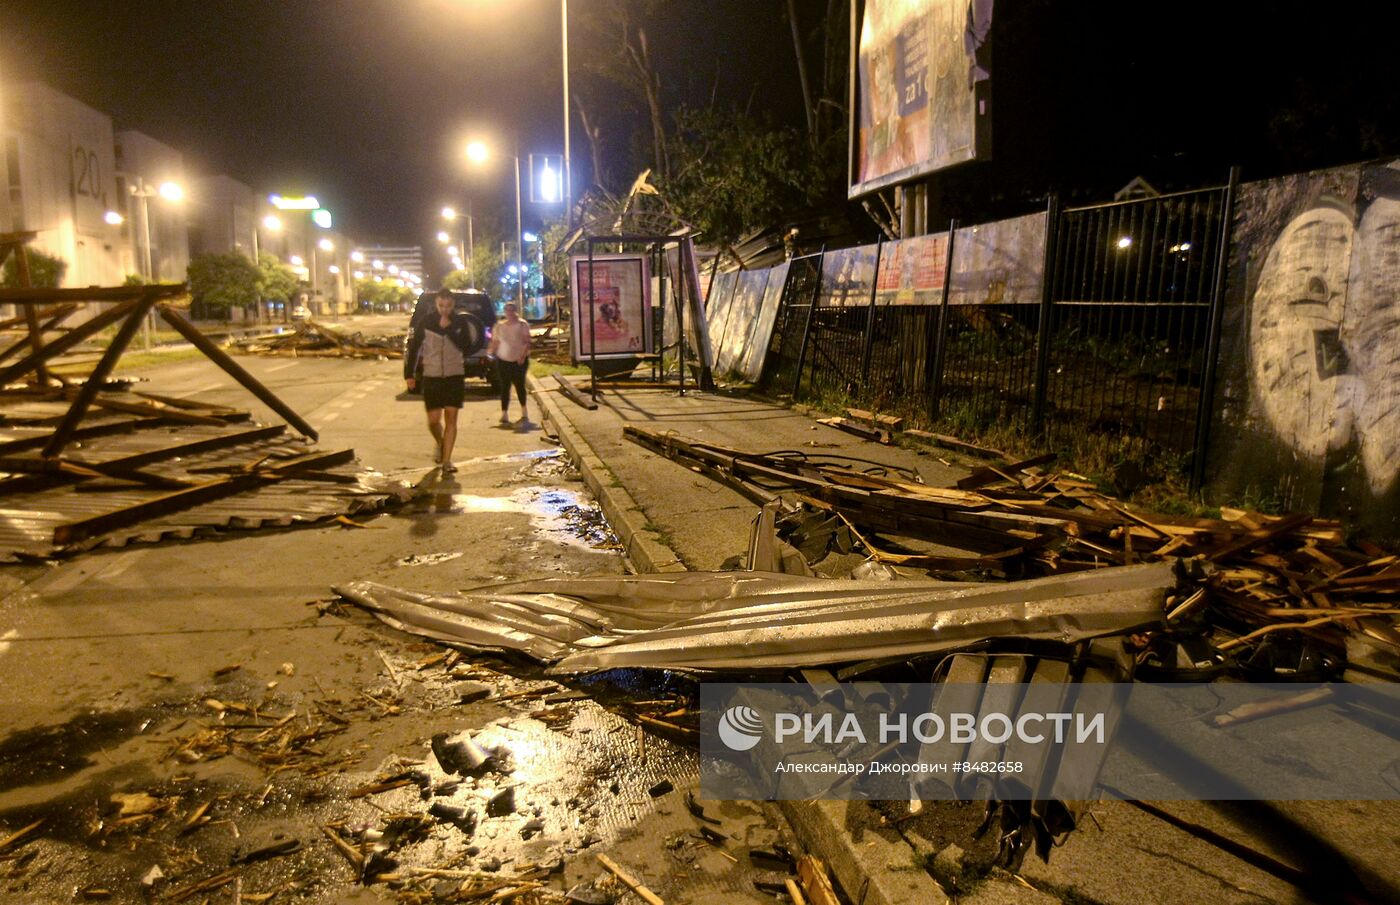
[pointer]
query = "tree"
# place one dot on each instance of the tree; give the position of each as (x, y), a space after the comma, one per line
(276, 281)
(44, 270)
(221, 282)
(733, 172)
(383, 295)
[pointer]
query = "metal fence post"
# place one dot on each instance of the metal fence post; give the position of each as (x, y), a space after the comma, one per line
(940, 339)
(807, 327)
(1206, 403)
(1047, 301)
(870, 317)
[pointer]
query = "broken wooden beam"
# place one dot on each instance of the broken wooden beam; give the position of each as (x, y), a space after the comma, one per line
(43, 352)
(953, 443)
(574, 393)
(221, 358)
(891, 423)
(64, 432)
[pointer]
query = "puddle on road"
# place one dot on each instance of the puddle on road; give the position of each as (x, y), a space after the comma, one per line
(557, 514)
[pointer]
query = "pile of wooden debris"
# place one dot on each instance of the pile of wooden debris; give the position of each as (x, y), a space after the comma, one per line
(1287, 596)
(313, 340)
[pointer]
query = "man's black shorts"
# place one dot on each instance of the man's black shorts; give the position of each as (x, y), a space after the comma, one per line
(443, 392)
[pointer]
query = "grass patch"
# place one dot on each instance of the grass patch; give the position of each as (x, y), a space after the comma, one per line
(544, 369)
(132, 361)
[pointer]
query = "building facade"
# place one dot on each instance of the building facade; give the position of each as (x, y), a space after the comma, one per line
(60, 175)
(157, 223)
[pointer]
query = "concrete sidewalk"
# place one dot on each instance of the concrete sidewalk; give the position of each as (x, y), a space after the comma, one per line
(672, 518)
(700, 522)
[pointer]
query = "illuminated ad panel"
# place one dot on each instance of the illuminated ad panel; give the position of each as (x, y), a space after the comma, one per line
(922, 96)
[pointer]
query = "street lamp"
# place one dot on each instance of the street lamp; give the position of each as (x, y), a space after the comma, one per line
(170, 191)
(469, 240)
(477, 153)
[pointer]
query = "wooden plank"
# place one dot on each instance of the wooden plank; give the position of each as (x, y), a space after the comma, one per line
(64, 432)
(633, 883)
(221, 358)
(989, 474)
(36, 358)
(36, 296)
(957, 445)
(860, 430)
(888, 422)
(73, 532)
(575, 394)
(816, 884)
(97, 430)
(1262, 536)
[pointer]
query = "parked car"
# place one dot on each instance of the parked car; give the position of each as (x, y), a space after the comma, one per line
(477, 305)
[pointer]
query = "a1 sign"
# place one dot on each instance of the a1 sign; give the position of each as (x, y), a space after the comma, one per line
(546, 179)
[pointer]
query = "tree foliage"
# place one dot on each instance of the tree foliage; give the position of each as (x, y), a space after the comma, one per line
(276, 282)
(733, 172)
(221, 282)
(383, 295)
(45, 271)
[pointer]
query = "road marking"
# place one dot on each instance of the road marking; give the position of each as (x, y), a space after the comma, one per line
(331, 417)
(123, 563)
(6, 638)
(290, 364)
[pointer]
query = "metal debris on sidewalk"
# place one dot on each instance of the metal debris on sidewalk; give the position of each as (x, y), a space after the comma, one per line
(747, 620)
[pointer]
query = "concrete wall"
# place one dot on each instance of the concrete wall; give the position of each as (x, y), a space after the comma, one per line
(221, 215)
(1308, 410)
(67, 181)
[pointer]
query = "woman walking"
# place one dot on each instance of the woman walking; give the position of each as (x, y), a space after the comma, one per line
(436, 358)
(510, 345)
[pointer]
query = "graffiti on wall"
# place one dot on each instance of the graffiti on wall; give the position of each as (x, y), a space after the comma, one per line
(1309, 410)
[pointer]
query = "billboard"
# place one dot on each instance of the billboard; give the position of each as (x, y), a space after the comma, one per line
(612, 306)
(922, 89)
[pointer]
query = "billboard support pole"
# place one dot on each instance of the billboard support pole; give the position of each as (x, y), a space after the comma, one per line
(940, 339)
(1047, 308)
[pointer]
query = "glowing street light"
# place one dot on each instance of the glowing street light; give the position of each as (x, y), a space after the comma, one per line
(272, 223)
(377, 264)
(333, 269)
(297, 261)
(394, 269)
(326, 245)
(477, 153)
(443, 237)
(357, 256)
(114, 218)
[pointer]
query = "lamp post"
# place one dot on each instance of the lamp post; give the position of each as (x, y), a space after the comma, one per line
(272, 223)
(170, 191)
(468, 245)
(477, 153)
(568, 172)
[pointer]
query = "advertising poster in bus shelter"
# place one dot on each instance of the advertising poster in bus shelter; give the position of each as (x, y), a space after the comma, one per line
(619, 316)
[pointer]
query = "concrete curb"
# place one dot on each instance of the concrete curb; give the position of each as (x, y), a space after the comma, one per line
(881, 869)
(873, 864)
(640, 542)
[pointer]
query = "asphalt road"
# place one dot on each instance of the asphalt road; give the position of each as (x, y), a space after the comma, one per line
(114, 667)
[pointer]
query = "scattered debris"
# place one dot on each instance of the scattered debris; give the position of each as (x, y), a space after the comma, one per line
(309, 339)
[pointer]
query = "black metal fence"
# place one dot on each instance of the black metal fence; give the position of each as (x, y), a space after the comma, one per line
(1120, 341)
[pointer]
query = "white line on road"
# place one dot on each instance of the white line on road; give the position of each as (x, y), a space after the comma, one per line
(331, 417)
(5, 639)
(290, 364)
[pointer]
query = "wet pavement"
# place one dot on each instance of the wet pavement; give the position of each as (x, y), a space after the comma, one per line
(202, 722)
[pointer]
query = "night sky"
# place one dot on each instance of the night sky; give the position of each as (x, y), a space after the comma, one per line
(368, 103)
